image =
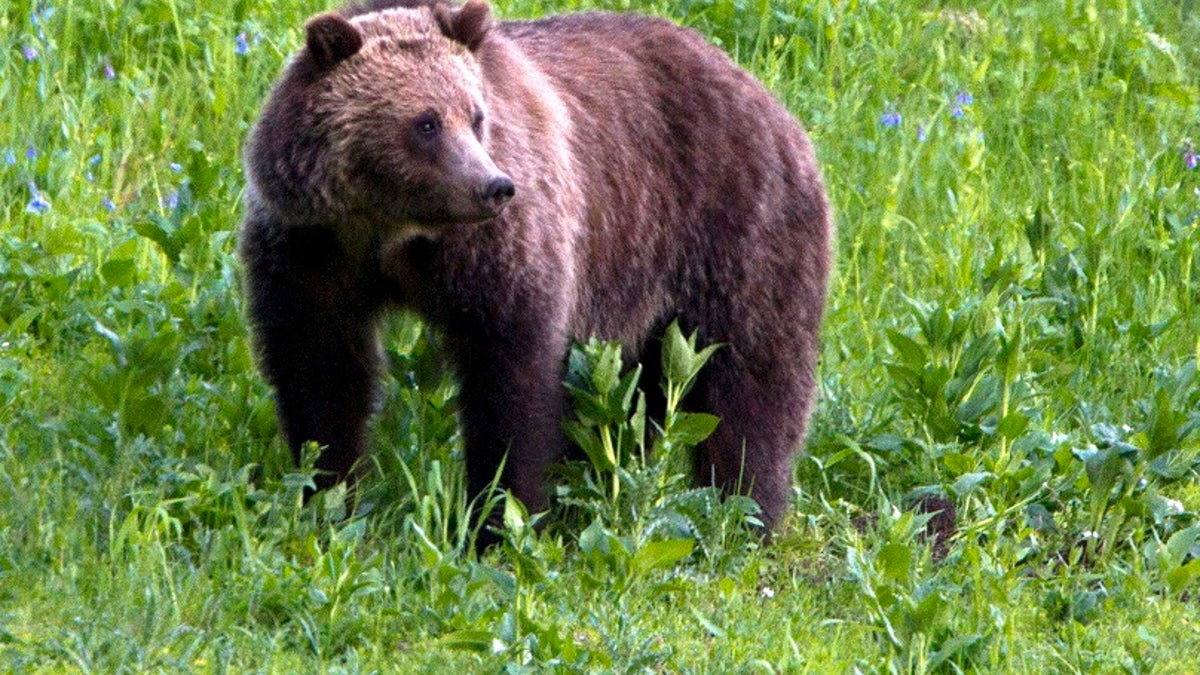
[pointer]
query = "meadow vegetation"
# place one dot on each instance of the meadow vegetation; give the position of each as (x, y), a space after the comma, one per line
(1013, 332)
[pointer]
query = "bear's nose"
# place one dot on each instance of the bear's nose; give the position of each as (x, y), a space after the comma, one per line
(498, 191)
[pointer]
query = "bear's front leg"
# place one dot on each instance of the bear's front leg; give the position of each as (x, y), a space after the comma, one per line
(513, 402)
(315, 331)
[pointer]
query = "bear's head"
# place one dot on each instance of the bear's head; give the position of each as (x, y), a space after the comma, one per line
(382, 119)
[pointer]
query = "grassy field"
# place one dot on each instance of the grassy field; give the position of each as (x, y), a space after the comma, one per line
(1013, 328)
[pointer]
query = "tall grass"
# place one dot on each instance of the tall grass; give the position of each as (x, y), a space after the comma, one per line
(1012, 331)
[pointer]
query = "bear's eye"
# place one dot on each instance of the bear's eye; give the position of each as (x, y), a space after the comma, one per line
(477, 123)
(427, 125)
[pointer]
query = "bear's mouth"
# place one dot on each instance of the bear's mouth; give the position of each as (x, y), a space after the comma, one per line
(475, 212)
(434, 227)
(486, 217)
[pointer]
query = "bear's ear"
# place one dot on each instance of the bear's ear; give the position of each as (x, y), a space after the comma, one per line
(331, 39)
(468, 24)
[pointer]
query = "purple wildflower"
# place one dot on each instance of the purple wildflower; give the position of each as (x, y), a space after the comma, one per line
(891, 118)
(94, 159)
(37, 201)
(109, 73)
(1190, 159)
(31, 152)
(176, 167)
(921, 133)
(9, 158)
(957, 112)
(172, 200)
(29, 53)
(242, 45)
(964, 98)
(108, 205)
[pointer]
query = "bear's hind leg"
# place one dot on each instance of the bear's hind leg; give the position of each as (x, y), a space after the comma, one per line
(763, 413)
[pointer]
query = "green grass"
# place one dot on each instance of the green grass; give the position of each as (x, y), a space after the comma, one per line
(1013, 326)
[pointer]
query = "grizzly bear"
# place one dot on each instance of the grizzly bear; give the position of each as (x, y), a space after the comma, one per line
(521, 185)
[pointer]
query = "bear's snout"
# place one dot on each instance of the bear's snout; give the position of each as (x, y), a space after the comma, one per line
(496, 193)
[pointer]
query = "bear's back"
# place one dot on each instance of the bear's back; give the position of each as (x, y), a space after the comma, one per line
(679, 150)
(590, 51)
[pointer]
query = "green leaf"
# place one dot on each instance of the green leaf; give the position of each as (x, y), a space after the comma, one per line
(467, 640)
(1013, 425)
(585, 437)
(959, 463)
(925, 616)
(118, 272)
(23, 321)
(1037, 230)
(951, 647)
(895, 561)
(691, 428)
(606, 372)
(890, 443)
(680, 360)
(983, 400)
(1039, 518)
(588, 407)
(515, 514)
(712, 628)
(912, 354)
(1103, 469)
(1163, 428)
(703, 356)
(969, 482)
(594, 538)
(1179, 578)
(656, 554)
(1180, 543)
(144, 412)
(637, 422)
(1162, 508)
(162, 232)
(627, 389)
(430, 554)
(676, 355)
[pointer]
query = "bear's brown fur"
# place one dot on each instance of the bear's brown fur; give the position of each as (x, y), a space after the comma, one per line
(521, 185)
